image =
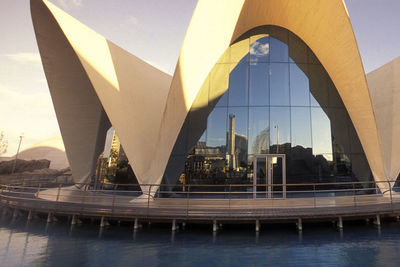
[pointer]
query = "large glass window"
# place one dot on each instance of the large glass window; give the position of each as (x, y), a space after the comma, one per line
(259, 84)
(279, 84)
(268, 94)
(280, 129)
(299, 85)
(216, 129)
(321, 132)
(259, 49)
(259, 130)
(238, 84)
(301, 127)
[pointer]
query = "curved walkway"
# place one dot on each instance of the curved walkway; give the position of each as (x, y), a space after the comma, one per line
(120, 205)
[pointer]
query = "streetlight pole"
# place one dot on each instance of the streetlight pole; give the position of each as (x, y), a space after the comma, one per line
(16, 155)
(277, 138)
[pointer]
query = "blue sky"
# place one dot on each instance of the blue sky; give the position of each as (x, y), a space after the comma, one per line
(152, 30)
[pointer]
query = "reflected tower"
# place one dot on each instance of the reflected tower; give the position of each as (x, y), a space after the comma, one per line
(230, 148)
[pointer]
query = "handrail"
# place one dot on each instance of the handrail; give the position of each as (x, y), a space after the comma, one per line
(218, 185)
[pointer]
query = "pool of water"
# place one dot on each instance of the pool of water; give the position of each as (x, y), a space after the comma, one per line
(57, 244)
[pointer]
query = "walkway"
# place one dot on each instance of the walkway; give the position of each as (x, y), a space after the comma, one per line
(121, 206)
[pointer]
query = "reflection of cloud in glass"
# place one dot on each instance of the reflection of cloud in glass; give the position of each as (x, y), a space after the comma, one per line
(259, 49)
(261, 143)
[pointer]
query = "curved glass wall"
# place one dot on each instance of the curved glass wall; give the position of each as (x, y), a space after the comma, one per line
(268, 94)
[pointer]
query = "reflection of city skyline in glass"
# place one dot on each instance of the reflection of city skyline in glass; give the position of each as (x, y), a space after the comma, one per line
(276, 98)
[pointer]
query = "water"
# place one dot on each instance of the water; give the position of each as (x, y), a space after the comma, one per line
(56, 244)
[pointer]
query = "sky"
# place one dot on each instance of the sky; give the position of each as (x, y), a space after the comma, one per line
(153, 30)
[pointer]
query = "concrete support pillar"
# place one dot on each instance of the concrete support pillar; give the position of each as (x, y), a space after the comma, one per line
(215, 226)
(299, 224)
(103, 222)
(136, 224)
(29, 216)
(49, 217)
(257, 225)
(15, 214)
(397, 218)
(4, 213)
(174, 226)
(74, 220)
(377, 221)
(340, 222)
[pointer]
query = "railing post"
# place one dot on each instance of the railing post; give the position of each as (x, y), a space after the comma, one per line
(37, 193)
(391, 199)
(113, 201)
(315, 200)
(22, 187)
(83, 198)
(148, 201)
(187, 200)
(229, 200)
(354, 195)
(58, 193)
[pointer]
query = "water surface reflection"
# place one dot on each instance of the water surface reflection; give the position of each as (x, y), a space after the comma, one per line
(60, 245)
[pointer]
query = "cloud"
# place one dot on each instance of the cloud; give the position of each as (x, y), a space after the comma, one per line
(26, 58)
(259, 49)
(70, 4)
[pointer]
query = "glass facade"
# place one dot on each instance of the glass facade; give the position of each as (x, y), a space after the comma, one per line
(268, 94)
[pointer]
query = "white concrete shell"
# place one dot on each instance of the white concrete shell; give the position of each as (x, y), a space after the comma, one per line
(94, 82)
(323, 25)
(384, 85)
(88, 74)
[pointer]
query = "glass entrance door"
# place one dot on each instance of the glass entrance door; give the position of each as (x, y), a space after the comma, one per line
(269, 176)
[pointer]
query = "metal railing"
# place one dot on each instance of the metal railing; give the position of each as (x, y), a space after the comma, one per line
(191, 200)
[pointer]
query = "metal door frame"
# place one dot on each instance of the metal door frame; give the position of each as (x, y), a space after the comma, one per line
(269, 174)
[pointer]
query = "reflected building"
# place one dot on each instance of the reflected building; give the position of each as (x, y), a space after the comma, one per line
(261, 86)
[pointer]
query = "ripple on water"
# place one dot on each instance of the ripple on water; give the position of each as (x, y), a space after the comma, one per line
(318, 245)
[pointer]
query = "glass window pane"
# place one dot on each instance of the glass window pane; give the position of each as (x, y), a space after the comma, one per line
(236, 147)
(342, 165)
(238, 85)
(318, 85)
(322, 167)
(259, 49)
(259, 84)
(216, 129)
(258, 130)
(279, 84)
(299, 85)
(301, 127)
(280, 129)
(321, 132)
